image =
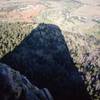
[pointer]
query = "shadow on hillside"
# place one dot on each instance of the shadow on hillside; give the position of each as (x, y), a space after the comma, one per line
(43, 57)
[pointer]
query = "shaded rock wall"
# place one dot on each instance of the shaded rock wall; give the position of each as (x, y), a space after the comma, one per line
(14, 86)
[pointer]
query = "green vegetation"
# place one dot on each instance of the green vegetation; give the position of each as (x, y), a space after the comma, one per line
(11, 34)
(96, 20)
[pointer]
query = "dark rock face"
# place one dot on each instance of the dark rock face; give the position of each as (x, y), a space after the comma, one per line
(14, 86)
(44, 58)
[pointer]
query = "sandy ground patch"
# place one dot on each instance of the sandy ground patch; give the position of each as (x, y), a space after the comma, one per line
(22, 10)
(88, 11)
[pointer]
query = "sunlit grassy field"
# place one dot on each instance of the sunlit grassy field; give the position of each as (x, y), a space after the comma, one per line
(11, 34)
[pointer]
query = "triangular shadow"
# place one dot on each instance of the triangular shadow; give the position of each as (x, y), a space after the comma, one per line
(43, 56)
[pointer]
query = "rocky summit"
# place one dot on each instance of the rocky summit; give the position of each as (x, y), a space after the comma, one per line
(44, 58)
(14, 86)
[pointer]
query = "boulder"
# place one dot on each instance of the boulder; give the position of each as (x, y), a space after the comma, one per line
(44, 58)
(14, 86)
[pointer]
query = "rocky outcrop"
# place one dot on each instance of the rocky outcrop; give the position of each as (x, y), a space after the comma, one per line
(14, 86)
(44, 58)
